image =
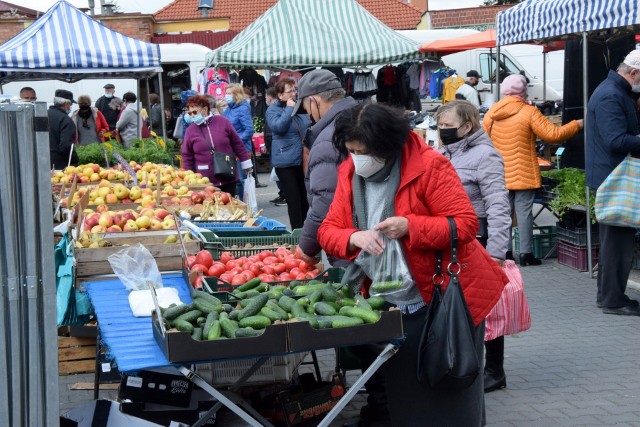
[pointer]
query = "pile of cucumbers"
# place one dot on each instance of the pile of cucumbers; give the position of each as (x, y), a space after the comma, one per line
(258, 305)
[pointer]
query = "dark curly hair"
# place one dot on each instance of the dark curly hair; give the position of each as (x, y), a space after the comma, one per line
(381, 128)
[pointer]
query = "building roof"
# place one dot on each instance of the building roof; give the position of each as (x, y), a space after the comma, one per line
(210, 39)
(241, 13)
(10, 10)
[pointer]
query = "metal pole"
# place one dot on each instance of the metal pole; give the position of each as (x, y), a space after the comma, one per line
(13, 323)
(46, 273)
(544, 75)
(497, 74)
(164, 119)
(5, 389)
(585, 101)
(138, 106)
(146, 82)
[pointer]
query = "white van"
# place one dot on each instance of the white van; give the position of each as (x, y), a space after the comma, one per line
(181, 63)
(514, 59)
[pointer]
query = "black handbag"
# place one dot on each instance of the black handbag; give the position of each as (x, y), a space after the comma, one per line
(224, 165)
(447, 355)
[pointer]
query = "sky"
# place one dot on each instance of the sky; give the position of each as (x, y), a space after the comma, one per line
(151, 6)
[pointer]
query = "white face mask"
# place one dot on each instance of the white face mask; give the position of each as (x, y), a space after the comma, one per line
(635, 88)
(367, 165)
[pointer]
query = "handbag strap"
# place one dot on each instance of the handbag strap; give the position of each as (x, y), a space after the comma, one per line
(210, 136)
(299, 131)
(454, 267)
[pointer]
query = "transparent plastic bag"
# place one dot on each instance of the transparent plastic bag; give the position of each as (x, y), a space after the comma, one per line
(136, 268)
(391, 274)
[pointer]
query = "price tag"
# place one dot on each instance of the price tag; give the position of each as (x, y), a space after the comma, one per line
(127, 167)
(559, 151)
(106, 367)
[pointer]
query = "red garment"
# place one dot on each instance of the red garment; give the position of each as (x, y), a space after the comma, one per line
(101, 124)
(389, 75)
(429, 191)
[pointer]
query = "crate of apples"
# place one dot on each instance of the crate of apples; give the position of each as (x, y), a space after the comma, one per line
(129, 220)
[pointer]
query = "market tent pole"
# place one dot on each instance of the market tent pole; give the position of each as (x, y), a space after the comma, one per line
(585, 100)
(146, 82)
(164, 118)
(497, 73)
(544, 75)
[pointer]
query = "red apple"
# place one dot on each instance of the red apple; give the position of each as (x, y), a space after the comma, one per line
(197, 198)
(162, 213)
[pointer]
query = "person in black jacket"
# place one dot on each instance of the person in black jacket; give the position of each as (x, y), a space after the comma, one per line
(102, 104)
(62, 131)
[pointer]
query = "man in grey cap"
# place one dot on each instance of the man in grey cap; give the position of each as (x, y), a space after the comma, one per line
(322, 96)
(62, 131)
(468, 90)
(102, 104)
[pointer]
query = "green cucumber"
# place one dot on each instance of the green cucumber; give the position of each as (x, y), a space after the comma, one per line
(298, 310)
(214, 331)
(329, 293)
(200, 321)
(346, 321)
(207, 324)
(289, 292)
(252, 293)
(271, 314)
(229, 327)
(386, 287)
(347, 291)
(250, 284)
(376, 303)
(312, 319)
(183, 326)
(248, 332)
(324, 309)
(369, 316)
(294, 283)
(197, 334)
(189, 316)
(174, 312)
(257, 322)
(315, 296)
(234, 314)
(275, 307)
(346, 301)
(362, 302)
(205, 306)
(305, 290)
(206, 296)
(285, 302)
(254, 306)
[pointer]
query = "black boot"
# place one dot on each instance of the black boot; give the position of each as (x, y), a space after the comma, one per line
(494, 376)
(494, 380)
(528, 259)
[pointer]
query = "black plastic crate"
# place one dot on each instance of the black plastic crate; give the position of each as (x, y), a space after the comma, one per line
(576, 236)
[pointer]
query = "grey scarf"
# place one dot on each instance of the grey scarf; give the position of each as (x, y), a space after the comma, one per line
(354, 275)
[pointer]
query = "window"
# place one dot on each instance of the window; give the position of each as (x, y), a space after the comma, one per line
(488, 66)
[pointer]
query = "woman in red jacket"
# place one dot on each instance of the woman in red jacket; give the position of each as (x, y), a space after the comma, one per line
(393, 184)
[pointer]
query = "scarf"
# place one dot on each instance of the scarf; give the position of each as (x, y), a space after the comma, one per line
(354, 275)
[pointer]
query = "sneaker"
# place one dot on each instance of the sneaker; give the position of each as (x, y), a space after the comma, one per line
(281, 202)
(277, 200)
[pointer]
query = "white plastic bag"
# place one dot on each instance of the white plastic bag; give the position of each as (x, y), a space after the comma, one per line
(136, 268)
(250, 193)
(141, 302)
(274, 176)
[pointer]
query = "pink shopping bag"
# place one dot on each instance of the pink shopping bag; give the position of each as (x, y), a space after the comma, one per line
(511, 314)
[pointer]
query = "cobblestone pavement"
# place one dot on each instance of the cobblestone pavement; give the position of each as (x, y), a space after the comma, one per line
(574, 367)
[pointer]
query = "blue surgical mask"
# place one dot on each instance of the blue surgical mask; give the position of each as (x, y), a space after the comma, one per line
(198, 119)
(108, 95)
(224, 109)
(187, 119)
(68, 110)
(229, 99)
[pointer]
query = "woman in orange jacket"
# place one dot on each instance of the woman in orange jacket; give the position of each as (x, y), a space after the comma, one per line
(513, 125)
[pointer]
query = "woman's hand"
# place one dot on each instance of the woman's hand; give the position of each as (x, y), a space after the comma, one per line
(370, 241)
(499, 261)
(291, 102)
(306, 258)
(393, 227)
(248, 171)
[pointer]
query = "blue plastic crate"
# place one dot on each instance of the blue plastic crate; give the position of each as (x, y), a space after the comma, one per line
(261, 224)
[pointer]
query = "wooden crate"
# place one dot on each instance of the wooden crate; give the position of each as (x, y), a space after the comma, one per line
(168, 256)
(76, 355)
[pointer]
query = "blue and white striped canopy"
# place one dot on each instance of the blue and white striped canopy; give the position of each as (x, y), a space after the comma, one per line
(67, 44)
(309, 33)
(534, 20)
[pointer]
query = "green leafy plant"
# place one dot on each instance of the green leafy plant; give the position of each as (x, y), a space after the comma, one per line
(140, 150)
(571, 191)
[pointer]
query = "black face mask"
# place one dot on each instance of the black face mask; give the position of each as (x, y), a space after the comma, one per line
(449, 135)
(84, 111)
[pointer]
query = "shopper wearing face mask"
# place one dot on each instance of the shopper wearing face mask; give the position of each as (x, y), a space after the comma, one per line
(62, 131)
(393, 184)
(102, 104)
(90, 123)
(286, 149)
(613, 132)
(481, 171)
(513, 125)
(468, 90)
(238, 112)
(207, 132)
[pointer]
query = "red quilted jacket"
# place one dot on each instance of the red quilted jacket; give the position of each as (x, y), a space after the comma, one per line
(429, 192)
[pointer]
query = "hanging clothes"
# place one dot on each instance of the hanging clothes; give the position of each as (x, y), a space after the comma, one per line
(451, 85)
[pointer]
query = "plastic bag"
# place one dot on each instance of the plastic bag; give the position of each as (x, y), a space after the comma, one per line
(250, 193)
(273, 177)
(391, 274)
(136, 268)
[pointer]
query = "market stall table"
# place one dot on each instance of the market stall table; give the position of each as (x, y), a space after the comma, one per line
(130, 341)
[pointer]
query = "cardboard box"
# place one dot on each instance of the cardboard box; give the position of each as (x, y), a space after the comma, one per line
(157, 386)
(303, 337)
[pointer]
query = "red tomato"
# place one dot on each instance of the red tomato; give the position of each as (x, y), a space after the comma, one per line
(242, 261)
(268, 269)
(235, 270)
(267, 278)
(256, 268)
(238, 279)
(279, 267)
(191, 259)
(199, 267)
(281, 256)
(254, 258)
(304, 266)
(291, 263)
(262, 255)
(295, 271)
(231, 264)
(225, 257)
(308, 275)
(204, 257)
(227, 277)
(197, 283)
(299, 276)
(270, 260)
(217, 269)
(284, 276)
(284, 251)
(315, 272)
(248, 274)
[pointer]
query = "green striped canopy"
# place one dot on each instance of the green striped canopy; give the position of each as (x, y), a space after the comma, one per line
(308, 33)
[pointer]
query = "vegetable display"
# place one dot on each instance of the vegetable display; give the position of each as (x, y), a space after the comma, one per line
(571, 190)
(141, 150)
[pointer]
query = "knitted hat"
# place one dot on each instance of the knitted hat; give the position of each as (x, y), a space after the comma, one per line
(514, 84)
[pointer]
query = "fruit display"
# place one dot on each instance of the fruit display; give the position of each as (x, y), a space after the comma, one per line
(87, 173)
(98, 240)
(128, 220)
(257, 305)
(268, 266)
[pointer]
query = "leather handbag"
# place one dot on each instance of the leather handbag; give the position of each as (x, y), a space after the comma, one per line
(447, 355)
(617, 198)
(224, 165)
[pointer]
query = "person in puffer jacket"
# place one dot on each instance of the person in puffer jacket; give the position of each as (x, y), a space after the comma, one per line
(238, 112)
(513, 125)
(481, 170)
(286, 149)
